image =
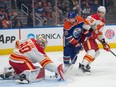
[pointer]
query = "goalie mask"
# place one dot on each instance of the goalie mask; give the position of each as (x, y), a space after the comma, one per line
(41, 41)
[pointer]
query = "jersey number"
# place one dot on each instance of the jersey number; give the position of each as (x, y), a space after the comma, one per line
(25, 47)
(91, 20)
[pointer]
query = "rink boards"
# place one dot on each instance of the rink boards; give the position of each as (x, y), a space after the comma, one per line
(54, 36)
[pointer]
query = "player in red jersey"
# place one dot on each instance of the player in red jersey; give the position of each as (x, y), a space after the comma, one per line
(97, 23)
(26, 53)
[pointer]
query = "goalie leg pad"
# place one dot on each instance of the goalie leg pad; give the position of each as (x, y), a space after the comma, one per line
(31, 76)
(8, 73)
(20, 67)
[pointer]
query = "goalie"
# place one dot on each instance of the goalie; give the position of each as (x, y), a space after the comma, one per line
(26, 53)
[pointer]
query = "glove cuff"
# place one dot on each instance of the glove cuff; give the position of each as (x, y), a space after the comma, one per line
(77, 45)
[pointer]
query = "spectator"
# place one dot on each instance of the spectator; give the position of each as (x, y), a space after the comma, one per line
(67, 11)
(1, 18)
(91, 2)
(83, 4)
(39, 9)
(48, 9)
(59, 5)
(16, 22)
(86, 11)
(76, 7)
(95, 6)
(58, 15)
(44, 3)
(4, 23)
(44, 17)
(50, 19)
(64, 7)
(2, 5)
(65, 2)
(30, 20)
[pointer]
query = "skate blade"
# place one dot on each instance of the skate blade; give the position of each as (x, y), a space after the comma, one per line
(87, 73)
(22, 82)
(80, 72)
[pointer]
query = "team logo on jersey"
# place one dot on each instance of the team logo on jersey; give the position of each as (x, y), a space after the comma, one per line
(31, 36)
(109, 34)
(76, 32)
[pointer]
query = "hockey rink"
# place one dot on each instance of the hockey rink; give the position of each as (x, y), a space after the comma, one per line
(103, 73)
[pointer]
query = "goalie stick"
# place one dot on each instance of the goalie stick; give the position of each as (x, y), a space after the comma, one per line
(71, 64)
(67, 70)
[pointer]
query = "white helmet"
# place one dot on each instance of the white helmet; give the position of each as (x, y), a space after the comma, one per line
(41, 41)
(101, 9)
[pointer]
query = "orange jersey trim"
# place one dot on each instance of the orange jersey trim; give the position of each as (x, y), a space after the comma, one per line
(88, 44)
(21, 58)
(89, 58)
(86, 22)
(68, 25)
(18, 57)
(86, 32)
(99, 27)
(45, 61)
(17, 44)
(73, 41)
(100, 33)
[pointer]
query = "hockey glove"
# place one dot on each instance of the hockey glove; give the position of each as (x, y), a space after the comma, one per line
(105, 45)
(87, 33)
(78, 46)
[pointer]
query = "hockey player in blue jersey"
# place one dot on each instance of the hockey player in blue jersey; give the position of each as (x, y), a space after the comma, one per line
(74, 28)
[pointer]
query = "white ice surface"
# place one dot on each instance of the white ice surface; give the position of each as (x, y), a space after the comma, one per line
(103, 73)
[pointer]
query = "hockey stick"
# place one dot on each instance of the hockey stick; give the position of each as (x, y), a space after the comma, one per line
(71, 64)
(69, 68)
(77, 52)
(113, 53)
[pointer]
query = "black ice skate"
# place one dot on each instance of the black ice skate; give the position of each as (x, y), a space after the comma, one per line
(22, 79)
(85, 69)
(88, 67)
